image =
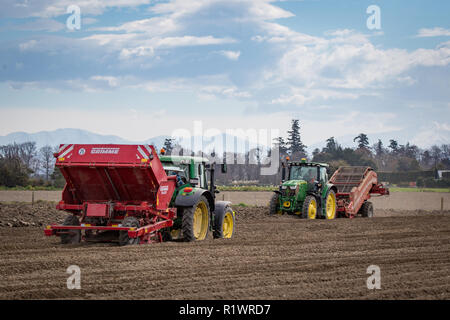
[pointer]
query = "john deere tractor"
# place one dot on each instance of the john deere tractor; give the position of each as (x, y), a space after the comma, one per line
(305, 191)
(198, 212)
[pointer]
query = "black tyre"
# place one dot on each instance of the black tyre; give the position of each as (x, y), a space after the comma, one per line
(274, 205)
(310, 208)
(124, 239)
(224, 223)
(73, 236)
(195, 221)
(367, 209)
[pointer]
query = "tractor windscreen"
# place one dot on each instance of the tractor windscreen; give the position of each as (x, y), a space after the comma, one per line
(306, 173)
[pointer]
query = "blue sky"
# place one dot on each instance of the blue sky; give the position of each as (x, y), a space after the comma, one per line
(141, 68)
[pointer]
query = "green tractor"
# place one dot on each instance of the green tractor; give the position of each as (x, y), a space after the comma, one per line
(197, 211)
(306, 192)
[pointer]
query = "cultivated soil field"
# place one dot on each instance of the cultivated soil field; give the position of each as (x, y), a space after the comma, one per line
(269, 257)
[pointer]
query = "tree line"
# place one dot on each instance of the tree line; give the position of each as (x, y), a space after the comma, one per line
(23, 164)
(26, 165)
(392, 158)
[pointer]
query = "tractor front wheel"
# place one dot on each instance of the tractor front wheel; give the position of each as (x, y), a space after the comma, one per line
(274, 206)
(195, 221)
(124, 239)
(309, 210)
(330, 205)
(71, 236)
(224, 223)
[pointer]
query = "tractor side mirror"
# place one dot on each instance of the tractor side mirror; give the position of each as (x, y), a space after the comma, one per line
(224, 168)
(283, 173)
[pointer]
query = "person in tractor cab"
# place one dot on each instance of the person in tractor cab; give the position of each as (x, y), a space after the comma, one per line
(181, 179)
(311, 177)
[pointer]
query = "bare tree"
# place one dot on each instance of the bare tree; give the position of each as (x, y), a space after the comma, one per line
(28, 153)
(46, 155)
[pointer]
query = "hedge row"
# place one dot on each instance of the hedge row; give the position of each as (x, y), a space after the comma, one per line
(410, 176)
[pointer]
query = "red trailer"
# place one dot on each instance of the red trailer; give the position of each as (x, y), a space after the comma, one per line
(355, 185)
(113, 192)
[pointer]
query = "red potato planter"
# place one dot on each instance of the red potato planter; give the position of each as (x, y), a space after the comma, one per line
(355, 185)
(115, 193)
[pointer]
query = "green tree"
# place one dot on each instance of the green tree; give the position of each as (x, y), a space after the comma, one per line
(294, 142)
(13, 171)
(393, 145)
(332, 146)
(363, 141)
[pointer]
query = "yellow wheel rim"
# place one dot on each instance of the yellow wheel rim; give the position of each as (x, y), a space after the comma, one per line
(228, 225)
(312, 209)
(200, 221)
(331, 206)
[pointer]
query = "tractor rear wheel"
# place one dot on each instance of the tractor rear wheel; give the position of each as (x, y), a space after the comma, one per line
(330, 205)
(224, 223)
(274, 206)
(309, 210)
(367, 209)
(195, 221)
(124, 239)
(73, 236)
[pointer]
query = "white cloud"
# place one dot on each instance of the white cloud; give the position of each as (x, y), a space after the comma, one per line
(300, 96)
(148, 47)
(433, 32)
(150, 26)
(348, 60)
(247, 9)
(232, 55)
(112, 81)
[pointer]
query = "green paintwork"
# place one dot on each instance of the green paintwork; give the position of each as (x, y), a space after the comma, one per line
(178, 163)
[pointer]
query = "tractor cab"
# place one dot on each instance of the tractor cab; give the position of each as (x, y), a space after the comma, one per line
(190, 170)
(311, 173)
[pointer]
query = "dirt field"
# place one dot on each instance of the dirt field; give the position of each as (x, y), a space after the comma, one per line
(279, 257)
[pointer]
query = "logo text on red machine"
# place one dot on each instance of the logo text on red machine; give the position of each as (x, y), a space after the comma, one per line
(105, 150)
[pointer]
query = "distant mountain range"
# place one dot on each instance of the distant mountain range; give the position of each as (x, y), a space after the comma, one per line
(56, 137)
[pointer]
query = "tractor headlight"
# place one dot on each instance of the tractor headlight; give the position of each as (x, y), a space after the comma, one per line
(283, 187)
(292, 190)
